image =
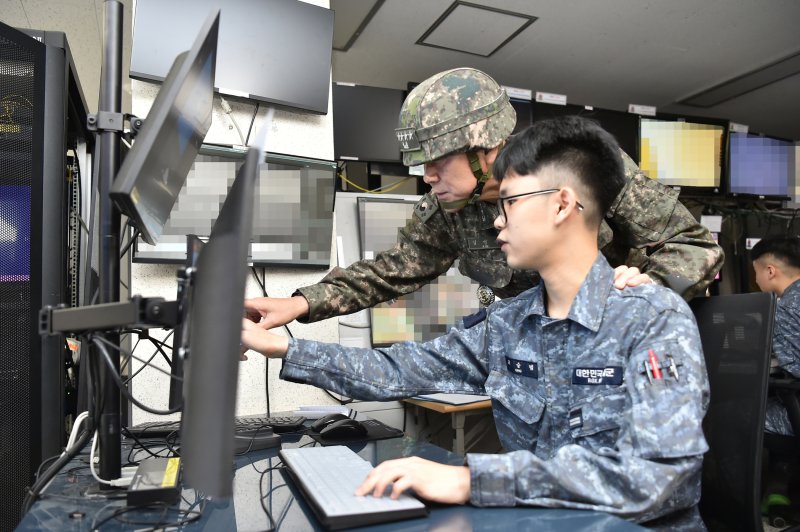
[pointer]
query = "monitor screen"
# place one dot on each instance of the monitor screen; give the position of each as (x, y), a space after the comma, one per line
(15, 233)
(685, 153)
(153, 172)
(292, 217)
(215, 324)
(277, 51)
(430, 311)
(364, 121)
(760, 165)
(624, 126)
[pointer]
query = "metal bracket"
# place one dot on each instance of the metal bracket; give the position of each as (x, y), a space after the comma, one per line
(107, 121)
(138, 312)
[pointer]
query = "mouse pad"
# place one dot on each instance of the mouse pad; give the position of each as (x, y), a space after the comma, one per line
(375, 431)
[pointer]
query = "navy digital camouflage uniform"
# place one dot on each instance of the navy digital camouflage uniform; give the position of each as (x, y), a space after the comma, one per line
(786, 349)
(584, 423)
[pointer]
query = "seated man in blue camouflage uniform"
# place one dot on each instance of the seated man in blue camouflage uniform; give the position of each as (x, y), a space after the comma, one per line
(455, 123)
(776, 261)
(598, 393)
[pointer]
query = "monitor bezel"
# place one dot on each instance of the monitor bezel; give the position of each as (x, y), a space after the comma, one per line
(695, 191)
(586, 112)
(226, 152)
(751, 196)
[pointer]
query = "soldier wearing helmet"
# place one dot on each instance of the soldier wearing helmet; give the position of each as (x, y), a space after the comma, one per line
(455, 123)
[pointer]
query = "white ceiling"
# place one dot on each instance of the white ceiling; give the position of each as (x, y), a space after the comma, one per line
(606, 53)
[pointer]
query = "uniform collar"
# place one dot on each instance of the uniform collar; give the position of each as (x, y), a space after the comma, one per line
(792, 288)
(590, 302)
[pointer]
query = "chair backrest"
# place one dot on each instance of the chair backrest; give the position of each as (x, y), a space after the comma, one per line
(736, 332)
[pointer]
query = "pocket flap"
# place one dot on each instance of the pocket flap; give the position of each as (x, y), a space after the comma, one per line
(519, 399)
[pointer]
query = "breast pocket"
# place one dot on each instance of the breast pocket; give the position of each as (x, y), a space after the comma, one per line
(517, 407)
(645, 209)
(595, 421)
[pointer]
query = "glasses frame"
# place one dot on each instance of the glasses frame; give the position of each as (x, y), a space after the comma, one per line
(501, 202)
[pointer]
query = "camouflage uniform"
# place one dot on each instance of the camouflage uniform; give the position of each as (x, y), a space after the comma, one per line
(584, 423)
(786, 348)
(462, 110)
(646, 227)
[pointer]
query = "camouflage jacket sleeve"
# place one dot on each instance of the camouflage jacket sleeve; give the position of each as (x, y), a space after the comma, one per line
(422, 253)
(669, 244)
(786, 338)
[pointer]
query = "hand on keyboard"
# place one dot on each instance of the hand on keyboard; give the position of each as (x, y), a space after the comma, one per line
(430, 480)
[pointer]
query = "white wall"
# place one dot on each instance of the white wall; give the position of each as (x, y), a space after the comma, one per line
(292, 133)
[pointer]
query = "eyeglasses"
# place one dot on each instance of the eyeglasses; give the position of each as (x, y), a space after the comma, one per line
(504, 203)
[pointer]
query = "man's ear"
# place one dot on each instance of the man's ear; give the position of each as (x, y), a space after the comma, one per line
(772, 271)
(566, 203)
(487, 157)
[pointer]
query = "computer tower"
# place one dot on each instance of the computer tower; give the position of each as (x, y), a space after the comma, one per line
(42, 115)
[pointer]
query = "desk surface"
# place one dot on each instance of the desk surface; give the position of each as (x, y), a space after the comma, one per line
(446, 408)
(257, 478)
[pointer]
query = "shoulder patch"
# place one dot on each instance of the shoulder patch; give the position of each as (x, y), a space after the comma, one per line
(425, 207)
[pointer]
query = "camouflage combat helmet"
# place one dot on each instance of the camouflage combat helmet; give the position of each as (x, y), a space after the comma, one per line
(454, 111)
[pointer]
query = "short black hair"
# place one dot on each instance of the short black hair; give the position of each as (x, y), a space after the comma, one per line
(574, 142)
(783, 248)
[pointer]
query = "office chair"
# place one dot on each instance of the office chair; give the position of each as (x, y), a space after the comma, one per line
(785, 450)
(736, 333)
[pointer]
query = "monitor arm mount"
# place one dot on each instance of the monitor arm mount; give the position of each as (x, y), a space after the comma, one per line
(138, 312)
(115, 122)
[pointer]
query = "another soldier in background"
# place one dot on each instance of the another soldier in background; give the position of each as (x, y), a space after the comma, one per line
(776, 262)
(598, 393)
(455, 123)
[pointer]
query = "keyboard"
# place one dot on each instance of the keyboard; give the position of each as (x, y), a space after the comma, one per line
(242, 425)
(328, 478)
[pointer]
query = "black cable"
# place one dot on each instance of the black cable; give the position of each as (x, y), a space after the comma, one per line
(272, 524)
(45, 461)
(134, 236)
(122, 388)
(160, 349)
(252, 121)
(45, 478)
(125, 353)
(190, 517)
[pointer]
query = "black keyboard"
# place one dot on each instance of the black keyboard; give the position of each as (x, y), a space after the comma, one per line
(244, 425)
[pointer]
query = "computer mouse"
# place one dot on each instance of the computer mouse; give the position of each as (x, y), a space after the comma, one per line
(324, 421)
(344, 429)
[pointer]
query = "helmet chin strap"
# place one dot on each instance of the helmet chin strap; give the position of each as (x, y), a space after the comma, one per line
(480, 175)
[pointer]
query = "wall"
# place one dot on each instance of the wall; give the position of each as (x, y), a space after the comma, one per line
(292, 133)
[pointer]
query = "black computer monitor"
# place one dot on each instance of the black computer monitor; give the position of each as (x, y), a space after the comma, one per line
(153, 172)
(624, 126)
(364, 123)
(215, 324)
(684, 152)
(760, 166)
(292, 218)
(277, 51)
